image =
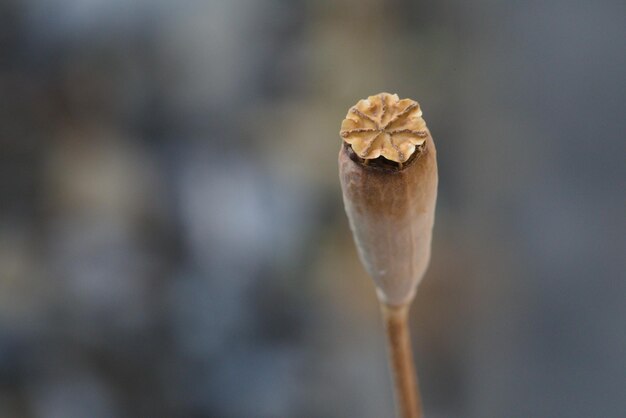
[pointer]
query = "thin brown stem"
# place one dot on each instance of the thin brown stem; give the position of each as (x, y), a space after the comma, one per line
(408, 399)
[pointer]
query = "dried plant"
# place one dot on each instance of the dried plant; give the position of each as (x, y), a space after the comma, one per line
(388, 173)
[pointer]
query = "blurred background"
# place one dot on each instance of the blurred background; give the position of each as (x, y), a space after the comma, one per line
(172, 236)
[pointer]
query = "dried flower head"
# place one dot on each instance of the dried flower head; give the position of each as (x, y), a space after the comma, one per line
(384, 125)
(391, 208)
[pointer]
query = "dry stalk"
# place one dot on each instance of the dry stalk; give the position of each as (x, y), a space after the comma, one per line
(408, 400)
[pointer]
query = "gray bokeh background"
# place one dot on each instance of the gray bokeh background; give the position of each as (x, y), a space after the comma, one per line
(172, 239)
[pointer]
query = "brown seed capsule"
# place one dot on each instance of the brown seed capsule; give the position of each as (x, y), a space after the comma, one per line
(388, 173)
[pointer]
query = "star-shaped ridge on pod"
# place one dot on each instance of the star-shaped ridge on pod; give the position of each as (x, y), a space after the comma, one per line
(384, 125)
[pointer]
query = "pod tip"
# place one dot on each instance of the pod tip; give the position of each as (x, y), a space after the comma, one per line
(385, 126)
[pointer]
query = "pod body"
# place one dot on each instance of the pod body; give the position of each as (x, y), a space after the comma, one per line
(391, 211)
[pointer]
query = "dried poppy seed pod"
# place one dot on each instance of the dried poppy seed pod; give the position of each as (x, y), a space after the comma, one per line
(388, 173)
